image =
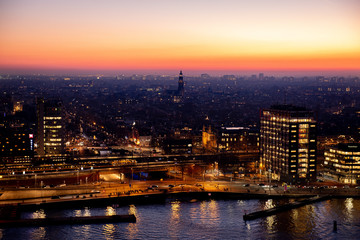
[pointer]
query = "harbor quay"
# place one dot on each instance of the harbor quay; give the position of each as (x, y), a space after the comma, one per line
(111, 192)
(159, 190)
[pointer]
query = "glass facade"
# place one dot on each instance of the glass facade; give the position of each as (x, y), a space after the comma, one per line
(50, 127)
(288, 143)
(342, 163)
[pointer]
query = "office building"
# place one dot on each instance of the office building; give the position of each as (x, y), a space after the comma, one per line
(288, 143)
(342, 163)
(237, 139)
(16, 141)
(50, 127)
(177, 146)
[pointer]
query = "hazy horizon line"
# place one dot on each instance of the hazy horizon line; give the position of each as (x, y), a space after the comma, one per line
(173, 72)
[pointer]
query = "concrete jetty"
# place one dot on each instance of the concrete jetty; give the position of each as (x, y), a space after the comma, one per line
(66, 221)
(285, 207)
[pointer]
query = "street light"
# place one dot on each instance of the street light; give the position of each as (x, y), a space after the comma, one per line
(204, 177)
(175, 173)
(119, 175)
(217, 168)
(269, 180)
(192, 171)
(132, 178)
(132, 175)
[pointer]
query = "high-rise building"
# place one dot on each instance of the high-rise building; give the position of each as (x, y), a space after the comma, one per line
(16, 148)
(50, 127)
(16, 142)
(288, 143)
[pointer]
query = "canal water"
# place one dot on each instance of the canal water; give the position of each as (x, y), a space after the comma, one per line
(212, 219)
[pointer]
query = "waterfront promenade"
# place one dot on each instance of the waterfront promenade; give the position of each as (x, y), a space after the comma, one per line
(108, 190)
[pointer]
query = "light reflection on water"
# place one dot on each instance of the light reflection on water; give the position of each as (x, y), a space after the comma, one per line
(205, 220)
(77, 213)
(87, 212)
(133, 210)
(270, 222)
(173, 227)
(175, 210)
(269, 204)
(85, 231)
(38, 233)
(39, 214)
(302, 222)
(132, 228)
(110, 211)
(81, 212)
(213, 210)
(109, 231)
(349, 206)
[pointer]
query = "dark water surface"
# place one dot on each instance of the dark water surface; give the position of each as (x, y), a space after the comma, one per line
(213, 219)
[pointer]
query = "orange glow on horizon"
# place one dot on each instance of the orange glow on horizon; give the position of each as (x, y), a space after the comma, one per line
(110, 62)
(230, 35)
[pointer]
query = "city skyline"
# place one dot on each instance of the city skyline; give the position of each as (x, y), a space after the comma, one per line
(163, 36)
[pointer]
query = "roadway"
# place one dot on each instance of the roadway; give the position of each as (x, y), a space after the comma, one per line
(108, 189)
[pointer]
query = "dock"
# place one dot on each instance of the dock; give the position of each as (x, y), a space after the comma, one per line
(285, 207)
(67, 221)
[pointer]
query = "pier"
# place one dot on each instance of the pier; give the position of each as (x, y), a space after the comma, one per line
(10, 217)
(286, 207)
(67, 221)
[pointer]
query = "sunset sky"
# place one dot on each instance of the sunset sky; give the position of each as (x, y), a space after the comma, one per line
(166, 35)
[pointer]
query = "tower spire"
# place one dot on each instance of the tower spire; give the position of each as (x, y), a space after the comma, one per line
(181, 84)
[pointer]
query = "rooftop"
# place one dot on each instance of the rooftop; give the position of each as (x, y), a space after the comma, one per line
(288, 108)
(349, 147)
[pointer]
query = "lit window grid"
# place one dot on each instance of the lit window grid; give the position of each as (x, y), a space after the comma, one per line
(342, 163)
(275, 135)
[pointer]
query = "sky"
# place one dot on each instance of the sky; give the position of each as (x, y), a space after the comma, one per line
(167, 35)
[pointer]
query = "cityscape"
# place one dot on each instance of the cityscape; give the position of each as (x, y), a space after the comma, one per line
(187, 125)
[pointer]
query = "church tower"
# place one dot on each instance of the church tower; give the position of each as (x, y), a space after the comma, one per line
(181, 84)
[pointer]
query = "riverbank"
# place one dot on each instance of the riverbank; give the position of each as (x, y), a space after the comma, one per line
(156, 192)
(41, 222)
(208, 219)
(154, 198)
